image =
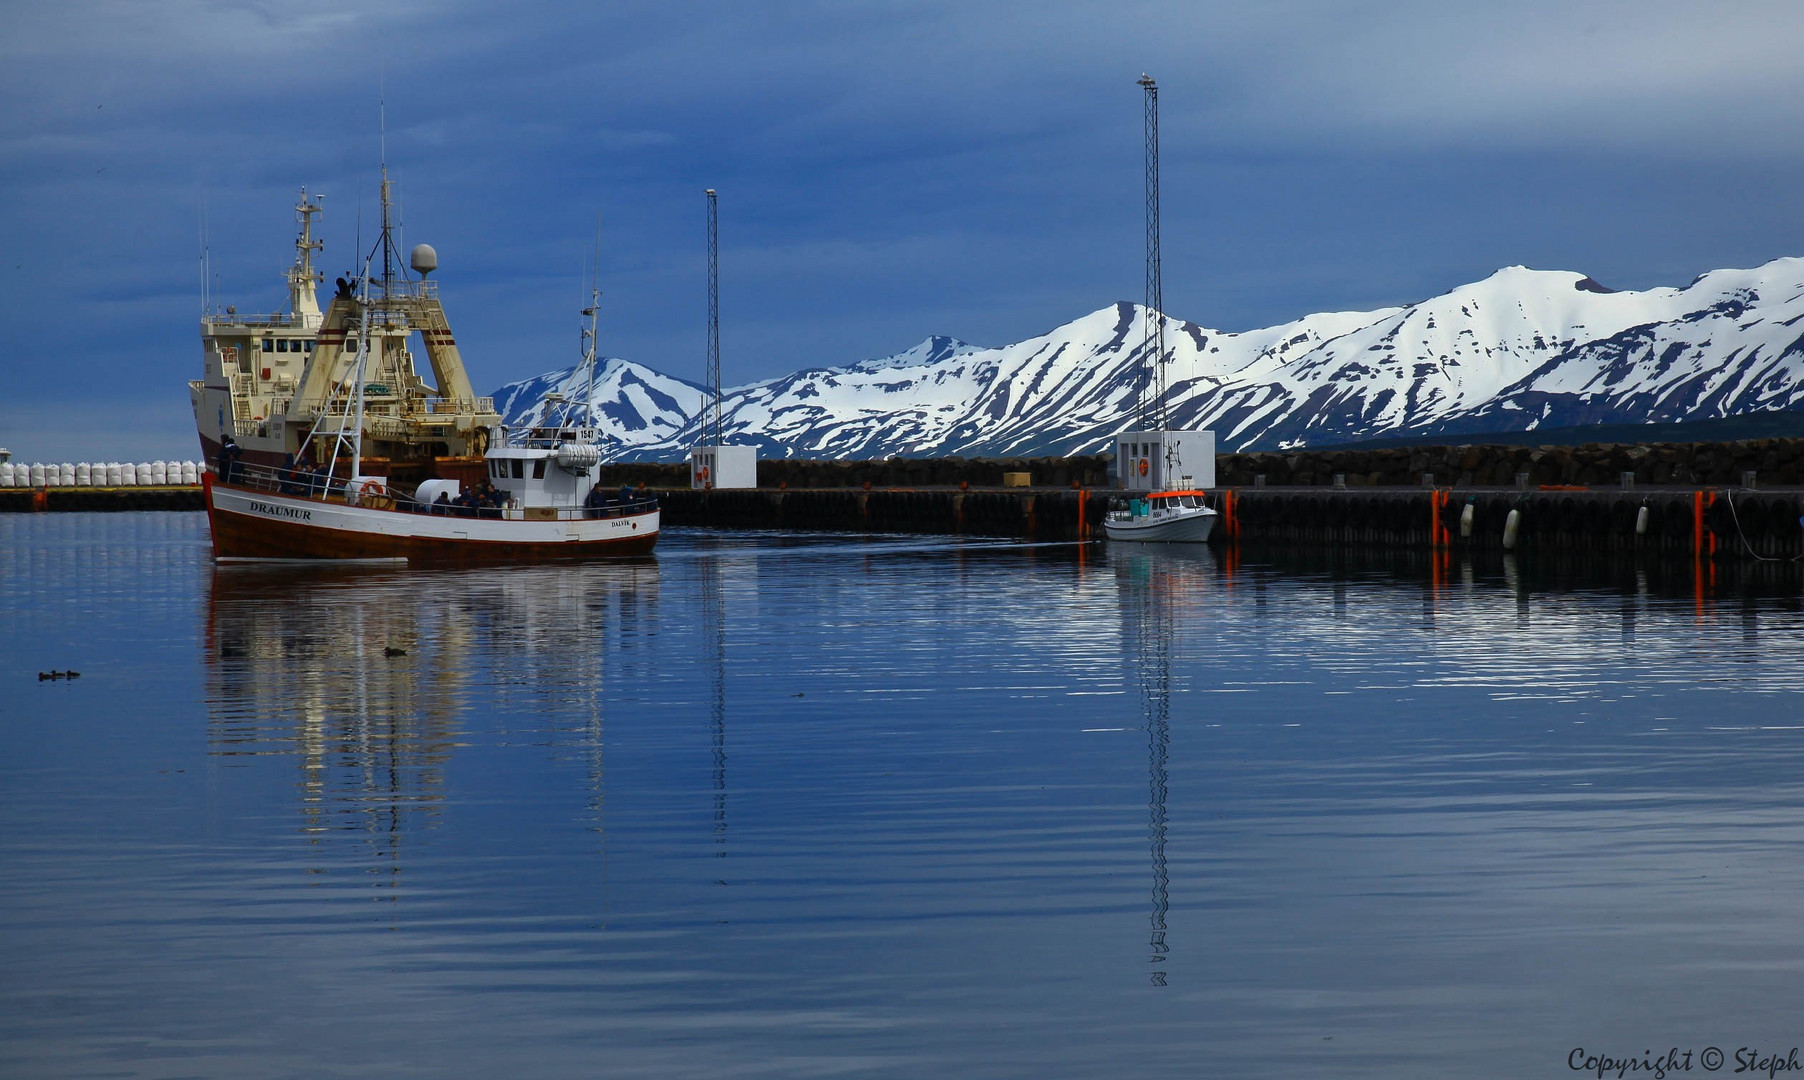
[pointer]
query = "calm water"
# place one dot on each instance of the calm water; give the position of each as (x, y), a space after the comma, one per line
(794, 806)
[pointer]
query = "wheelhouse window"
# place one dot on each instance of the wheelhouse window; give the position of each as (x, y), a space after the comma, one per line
(519, 470)
(538, 469)
(269, 345)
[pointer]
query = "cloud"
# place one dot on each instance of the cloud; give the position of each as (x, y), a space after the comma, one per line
(907, 168)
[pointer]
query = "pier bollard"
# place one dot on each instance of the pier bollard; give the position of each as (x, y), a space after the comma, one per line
(1522, 481)
(1625, 480)
(1258, 479)
(1340, 481)
(1747, 478)
(1428, 479)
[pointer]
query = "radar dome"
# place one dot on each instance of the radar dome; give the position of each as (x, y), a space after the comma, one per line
(425, 260)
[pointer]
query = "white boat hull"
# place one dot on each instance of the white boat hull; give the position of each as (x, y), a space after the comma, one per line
(1189, 527)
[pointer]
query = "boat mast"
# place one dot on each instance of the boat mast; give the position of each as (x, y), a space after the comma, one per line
(363, 353)
(303, 279)
(591, 335)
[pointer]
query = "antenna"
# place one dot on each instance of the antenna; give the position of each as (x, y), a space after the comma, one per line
(1152, 386)
(711, 423)
(206, 303)
(388, 243)
(591, 333)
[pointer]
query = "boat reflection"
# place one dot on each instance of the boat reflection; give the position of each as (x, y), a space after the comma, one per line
(363, 676)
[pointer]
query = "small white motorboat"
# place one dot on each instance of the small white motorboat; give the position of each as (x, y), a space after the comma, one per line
(1160, 517)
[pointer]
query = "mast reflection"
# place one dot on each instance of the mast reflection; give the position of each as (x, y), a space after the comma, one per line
(714, 633)
(1154, 580)
(364, 676)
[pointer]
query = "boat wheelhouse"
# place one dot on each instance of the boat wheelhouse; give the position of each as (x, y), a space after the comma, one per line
(1161, 517)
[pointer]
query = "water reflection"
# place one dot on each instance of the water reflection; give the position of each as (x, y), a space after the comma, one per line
(714, 642)
(362, 676)
(1154, 582)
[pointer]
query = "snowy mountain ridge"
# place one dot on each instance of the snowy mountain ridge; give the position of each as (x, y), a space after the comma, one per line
(1519, 350)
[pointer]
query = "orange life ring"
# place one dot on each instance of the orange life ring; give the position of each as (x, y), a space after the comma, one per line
(1142, 466)
(373, 495)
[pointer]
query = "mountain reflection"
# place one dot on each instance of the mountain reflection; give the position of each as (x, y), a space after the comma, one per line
(363, 676)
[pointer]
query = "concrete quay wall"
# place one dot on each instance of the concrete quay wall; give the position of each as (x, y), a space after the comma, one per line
(1622, 522)
(1777, 462)
(26, 500)
(1044, 513)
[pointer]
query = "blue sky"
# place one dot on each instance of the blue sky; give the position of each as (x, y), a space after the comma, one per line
(886, 171)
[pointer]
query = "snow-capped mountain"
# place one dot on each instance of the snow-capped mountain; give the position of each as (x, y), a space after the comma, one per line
(1519, 350)
(635, 407)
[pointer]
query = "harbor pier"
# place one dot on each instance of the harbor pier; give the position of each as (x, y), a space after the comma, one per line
(1708, 522)
(1719, 501)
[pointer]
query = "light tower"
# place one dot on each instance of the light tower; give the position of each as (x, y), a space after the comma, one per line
(711, 423)
(712, 464)
(1152, 383)
(1153, 457)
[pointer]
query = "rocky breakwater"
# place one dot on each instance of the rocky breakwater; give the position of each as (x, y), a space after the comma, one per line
(1061, 472)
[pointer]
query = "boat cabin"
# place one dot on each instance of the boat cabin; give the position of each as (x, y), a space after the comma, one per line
(1157, 504)
(548, 467)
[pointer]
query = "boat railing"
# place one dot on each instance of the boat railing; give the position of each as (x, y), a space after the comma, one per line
(233, 318)
(298, 480)
(611, 509)
(459, 405)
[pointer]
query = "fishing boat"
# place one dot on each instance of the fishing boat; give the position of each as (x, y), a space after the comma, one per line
(534, 497)
(1160, 517)
(269, 380)
(544, 510)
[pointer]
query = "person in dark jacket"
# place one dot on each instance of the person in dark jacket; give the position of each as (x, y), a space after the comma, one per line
(229, 453)
(290, 476)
